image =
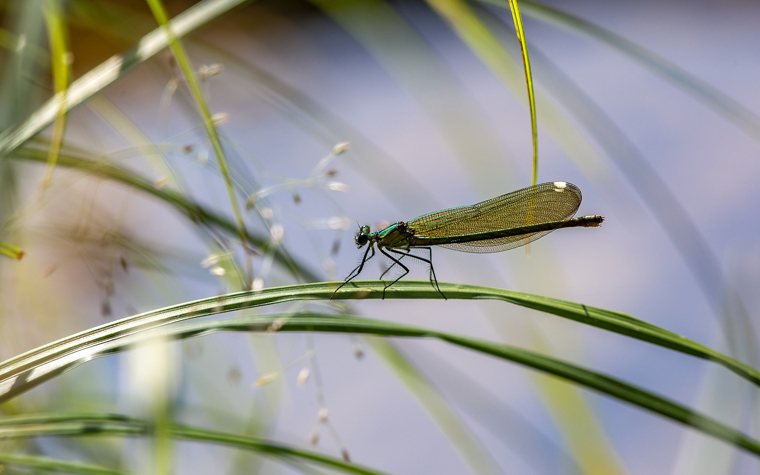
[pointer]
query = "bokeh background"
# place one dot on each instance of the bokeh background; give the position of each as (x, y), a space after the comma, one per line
(651, 108)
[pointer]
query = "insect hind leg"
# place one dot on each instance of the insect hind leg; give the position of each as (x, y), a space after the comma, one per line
(392, 265)
(429, 261)
(395, 262)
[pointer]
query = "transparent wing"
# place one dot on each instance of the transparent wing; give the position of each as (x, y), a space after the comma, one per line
(547, 202)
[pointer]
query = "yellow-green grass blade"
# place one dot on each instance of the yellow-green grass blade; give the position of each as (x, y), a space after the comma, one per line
(505, 422)
(112, 69)
(109, 425)
(469, 28)
(581, 429)
(313, 322)
(60, 65)
(9, 250)
(131, 132)
(47, 464)
(208, 122)
(517, 18)
(664, 205)
(558, 125)
(195, 212)
(720, 102)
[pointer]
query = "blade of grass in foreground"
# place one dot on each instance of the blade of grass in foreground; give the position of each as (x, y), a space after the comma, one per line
(115, 425)
(313, 322)
(20, 371)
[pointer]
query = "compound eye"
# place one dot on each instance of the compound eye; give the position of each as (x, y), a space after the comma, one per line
(361, 239)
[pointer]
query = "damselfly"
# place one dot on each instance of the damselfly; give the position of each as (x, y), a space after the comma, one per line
(499, 224)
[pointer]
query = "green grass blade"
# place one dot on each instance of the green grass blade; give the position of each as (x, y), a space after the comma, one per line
(68, 425)
(664, 205)
(115, 67)
(208, 122)
(46, 464)
(64, 351)
(309, 322)
(9, 250)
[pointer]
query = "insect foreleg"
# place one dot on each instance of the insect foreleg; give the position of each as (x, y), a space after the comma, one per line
(357, 270)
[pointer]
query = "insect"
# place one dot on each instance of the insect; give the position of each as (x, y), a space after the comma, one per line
(499, 224)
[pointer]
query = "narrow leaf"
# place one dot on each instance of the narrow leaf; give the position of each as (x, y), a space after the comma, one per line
(11, 251)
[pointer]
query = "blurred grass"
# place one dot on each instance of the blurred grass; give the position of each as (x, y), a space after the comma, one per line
(208, 122)
(61, 62)
(72, 425)
(463, 20)
(48, 464)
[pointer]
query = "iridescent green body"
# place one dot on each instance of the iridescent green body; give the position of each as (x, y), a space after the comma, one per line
(501, 223)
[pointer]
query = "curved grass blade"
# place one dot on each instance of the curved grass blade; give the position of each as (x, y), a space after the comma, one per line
(208, 122)
(479, 39)
(528, 82)
(309, 322)
(554, 120)
(47, 464)
(194, 211)
(20, 373)
(664, 205)
(653, 191)
(153, 154)
(68, 425)
(720, 102)
(111, 70)
(9, 250)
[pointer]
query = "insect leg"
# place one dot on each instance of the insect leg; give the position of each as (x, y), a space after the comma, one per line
(429, 261)
(357, 270)
(396, 262)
